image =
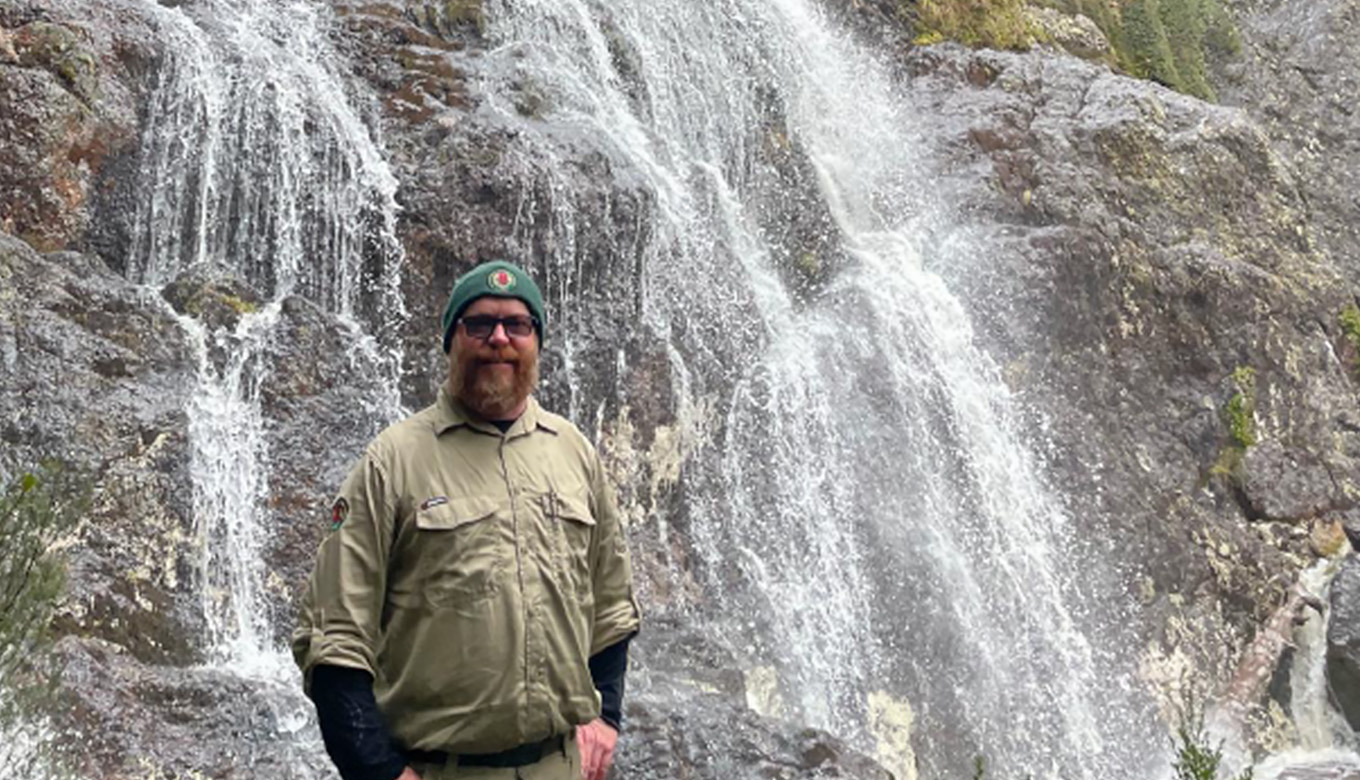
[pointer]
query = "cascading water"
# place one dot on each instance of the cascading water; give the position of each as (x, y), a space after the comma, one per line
(255, 164)
(869, 511)
(1323, 739)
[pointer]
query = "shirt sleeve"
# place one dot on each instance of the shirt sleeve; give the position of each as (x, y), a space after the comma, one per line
(341, 610)
(352, 727)
(617, 616)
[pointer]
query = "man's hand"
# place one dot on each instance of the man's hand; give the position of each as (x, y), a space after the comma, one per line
(596, 740)
(408, 774)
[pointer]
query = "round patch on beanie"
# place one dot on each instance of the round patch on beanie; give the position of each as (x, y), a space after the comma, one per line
(501, 280)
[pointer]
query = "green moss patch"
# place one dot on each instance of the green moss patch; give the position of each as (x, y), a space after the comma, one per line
(1239, 416)
(992, 24)
(238, 304)
(1240, 411)
(61, 51)
(1350, 328)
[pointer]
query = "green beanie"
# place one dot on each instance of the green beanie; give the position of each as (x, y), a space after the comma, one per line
(498, 279)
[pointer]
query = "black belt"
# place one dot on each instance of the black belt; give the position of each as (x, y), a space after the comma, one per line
(523, 755)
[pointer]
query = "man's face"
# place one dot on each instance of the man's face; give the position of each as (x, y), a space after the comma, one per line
(493, 376)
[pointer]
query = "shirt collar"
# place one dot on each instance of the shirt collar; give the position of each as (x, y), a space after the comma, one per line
(450, 414)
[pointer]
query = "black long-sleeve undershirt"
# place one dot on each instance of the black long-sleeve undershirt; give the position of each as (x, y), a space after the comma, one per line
(607, 670)
(362, 748)
(356, 738)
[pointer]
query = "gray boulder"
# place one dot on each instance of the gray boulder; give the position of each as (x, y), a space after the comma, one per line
(132, 719)
(678, 729)
(686, 715)
(1343, 641)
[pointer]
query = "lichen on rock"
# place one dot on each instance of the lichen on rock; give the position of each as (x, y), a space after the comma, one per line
(61, 51)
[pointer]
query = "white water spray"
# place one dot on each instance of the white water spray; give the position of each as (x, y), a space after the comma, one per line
(1324, 743)
(254, 163)
(872, 515)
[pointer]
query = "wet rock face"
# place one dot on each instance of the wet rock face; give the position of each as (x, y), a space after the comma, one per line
(99, 373)
(1075, 34)
(71, 78)
(1343, 641)
(131, 719)
(686, 715)
(318, 401)
(94, 373)
(1160, 303)
(1297, 76)
(678, 730)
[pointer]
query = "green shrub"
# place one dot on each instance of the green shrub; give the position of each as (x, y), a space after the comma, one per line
(1186, 23)
(1168, 41)
(1239, 416)
(1196, 758)
(36, 510)
(992, 24)
(1221, 38)
(1148, 53)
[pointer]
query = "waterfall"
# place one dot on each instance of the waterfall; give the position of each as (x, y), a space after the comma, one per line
(1322, 738)
(255, 164)
(869, 517)
(1321, 727)
(869, 521)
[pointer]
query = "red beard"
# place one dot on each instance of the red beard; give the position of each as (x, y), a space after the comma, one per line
(493, 382)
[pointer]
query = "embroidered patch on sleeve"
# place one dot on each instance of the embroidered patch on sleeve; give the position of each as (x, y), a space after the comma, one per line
(339, 511)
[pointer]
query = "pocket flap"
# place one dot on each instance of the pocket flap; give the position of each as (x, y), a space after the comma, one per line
(574, 508)
(456, 512)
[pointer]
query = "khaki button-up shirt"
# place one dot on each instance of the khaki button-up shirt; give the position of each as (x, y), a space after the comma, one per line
(473, 573)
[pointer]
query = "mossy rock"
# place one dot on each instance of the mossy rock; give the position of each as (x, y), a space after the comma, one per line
(991, 24)
(529, 98)
(1239, 417)
(1077, 34)
(1350, 329)
(464, 12)
(449, 18)
(1240, 411)
(60, 51)
(809, 265)
(215, 300)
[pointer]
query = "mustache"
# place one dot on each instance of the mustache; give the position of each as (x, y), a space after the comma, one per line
(503, 355)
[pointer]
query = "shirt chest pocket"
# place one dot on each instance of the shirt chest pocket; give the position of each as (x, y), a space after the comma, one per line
(573, 529)
(461, 550)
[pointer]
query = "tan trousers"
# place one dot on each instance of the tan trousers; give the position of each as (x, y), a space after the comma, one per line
(562, 765)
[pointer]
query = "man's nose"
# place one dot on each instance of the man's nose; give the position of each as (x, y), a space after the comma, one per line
(498, 335)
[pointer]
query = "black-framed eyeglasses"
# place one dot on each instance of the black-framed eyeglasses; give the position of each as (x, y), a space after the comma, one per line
(482, 326)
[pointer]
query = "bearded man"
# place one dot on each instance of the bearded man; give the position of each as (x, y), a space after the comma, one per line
(470, 611)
